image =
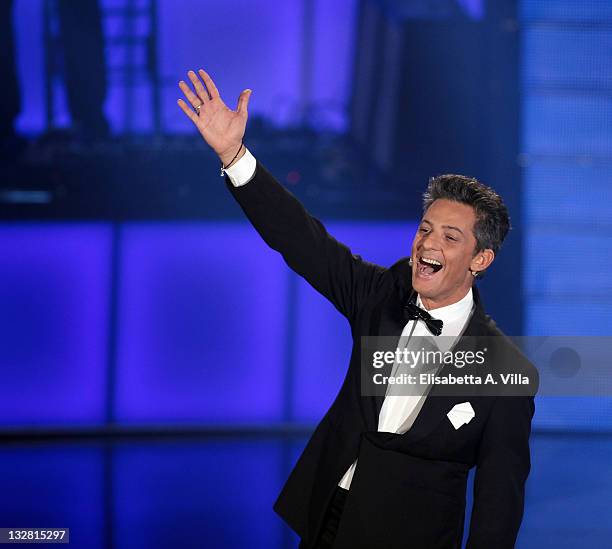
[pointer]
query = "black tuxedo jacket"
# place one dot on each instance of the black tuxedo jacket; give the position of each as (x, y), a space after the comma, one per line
(408, 490)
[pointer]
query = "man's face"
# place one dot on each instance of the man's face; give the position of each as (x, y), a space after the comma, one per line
(446, 236)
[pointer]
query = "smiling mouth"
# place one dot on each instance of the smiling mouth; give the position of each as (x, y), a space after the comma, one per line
(428, 267)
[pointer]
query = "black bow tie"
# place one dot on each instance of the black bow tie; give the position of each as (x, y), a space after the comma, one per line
(414, 312)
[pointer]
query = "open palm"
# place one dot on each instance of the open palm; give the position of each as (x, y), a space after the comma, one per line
(221, 127)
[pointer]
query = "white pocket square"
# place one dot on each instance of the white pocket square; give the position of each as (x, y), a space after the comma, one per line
(461, 414)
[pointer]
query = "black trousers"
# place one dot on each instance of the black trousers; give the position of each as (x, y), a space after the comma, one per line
(331, 520)
(85, 64)
(11, 102)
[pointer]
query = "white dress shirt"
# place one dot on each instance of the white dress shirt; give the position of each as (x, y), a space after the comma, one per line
(398, 412)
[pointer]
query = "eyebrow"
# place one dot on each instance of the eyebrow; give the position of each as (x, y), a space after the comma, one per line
(443, 226)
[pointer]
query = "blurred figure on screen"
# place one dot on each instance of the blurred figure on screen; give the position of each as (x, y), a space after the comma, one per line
(84, 70)
(10, 105)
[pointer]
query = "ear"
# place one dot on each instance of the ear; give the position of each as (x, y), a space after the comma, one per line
(482, 260)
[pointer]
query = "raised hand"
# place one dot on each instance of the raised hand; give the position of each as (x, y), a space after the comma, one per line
(222, 128)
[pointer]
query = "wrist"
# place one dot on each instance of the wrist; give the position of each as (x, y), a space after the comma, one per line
(232, 156)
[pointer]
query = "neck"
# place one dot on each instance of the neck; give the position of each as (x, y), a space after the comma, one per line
(431, 303)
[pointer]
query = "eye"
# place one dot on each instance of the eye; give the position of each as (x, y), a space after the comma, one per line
(451, 238)
(422, 230)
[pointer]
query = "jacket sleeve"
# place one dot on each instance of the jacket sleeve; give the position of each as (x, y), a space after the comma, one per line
(502, 467)
(285, 225)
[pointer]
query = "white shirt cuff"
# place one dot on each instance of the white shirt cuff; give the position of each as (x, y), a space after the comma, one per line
(242, 171)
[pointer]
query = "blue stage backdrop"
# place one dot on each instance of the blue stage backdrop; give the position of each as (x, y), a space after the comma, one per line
(567, 206)
(200, 309)
(186, 331)
(151, 344)
(241, 43)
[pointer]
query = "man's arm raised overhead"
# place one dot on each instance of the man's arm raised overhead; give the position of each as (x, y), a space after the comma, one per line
(277, 215)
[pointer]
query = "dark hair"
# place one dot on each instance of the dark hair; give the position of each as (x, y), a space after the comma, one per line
(492, 220)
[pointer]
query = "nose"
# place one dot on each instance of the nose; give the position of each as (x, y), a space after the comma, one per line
(430, 241)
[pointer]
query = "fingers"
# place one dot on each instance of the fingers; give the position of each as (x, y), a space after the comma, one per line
(199, 88)
(193, 99)
(243, 102)
(190, 114)
(210, 85)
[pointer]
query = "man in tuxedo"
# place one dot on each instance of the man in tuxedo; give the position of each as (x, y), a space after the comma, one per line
(390, 470)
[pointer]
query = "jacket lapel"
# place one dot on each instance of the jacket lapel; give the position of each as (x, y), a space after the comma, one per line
(391, 322)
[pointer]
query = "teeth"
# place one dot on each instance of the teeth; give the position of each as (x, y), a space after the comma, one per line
(430, 261)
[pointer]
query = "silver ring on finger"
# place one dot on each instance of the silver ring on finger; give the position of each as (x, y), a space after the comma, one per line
(198, 107)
